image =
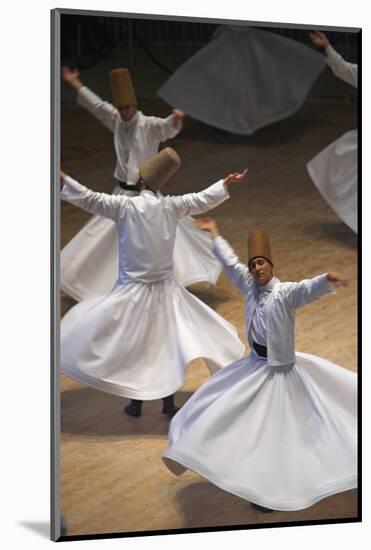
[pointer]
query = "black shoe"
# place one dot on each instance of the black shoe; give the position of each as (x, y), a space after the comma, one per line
(172, 413)
(134, 408)
(261, 508)
(169, 407)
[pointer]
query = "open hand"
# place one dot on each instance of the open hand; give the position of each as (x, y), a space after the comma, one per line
(69, 74)
(319, 39)
(208, 224)
(178, 115)
(61, 177)
(338, 278)
(235, 177)
(72, 77)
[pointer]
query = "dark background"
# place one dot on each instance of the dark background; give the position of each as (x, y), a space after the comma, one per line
(154, 49)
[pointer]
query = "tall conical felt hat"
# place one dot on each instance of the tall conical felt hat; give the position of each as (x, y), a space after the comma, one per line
(258, 245)
(158, 169)
(122, 88)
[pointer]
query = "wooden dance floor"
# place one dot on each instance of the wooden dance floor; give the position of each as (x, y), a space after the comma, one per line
(112, 476)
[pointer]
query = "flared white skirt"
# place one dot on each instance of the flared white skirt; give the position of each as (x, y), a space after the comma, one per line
(283, 438)
(244, 79)
(89, 262)
(137, 340)
(334, 173)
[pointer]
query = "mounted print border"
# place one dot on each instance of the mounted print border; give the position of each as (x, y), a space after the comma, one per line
(108, 478)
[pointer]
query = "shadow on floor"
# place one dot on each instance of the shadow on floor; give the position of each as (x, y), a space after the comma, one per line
(39, 527)
(337, 232)
(205, 505)
(211, 296)
(281, 132)
(90, 412)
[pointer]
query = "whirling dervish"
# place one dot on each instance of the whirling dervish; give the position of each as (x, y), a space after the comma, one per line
(334, 170)
(244, 79)
(137, 340)
(89, 261)
(277, 428)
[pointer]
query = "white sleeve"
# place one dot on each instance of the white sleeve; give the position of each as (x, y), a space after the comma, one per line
(237, 272)
(308, 290)
(198, 203)
(102, 110)
(102, 204)
(342, 69)
(162, 129)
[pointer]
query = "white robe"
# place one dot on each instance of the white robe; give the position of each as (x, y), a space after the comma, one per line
(334, 170)
(284, 299)
(283, 437)
(244, 79)
(137, 340)
(89, 260)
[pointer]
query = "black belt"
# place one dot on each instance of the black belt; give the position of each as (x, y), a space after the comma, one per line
(260, 350)
(125, 186)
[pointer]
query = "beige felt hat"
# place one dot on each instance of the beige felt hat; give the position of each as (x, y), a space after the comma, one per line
(158, 169)
(258, 245)
(122, 88)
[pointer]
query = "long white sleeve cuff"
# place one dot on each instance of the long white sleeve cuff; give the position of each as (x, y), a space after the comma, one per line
(71, 188)
(342, 69)
(102, 204)
(308, 290)
(224, 252)
(323, 286)
(105, 112)
(201, 202)
(237, 272)
(169, 129)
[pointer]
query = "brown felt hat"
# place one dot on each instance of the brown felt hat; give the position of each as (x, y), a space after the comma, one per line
(158, 169)
(122, 88)
(258, 245)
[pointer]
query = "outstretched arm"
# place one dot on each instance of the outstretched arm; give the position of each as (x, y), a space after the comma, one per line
(102, 110)
(319, 39)
(342, 69)
(102, 204)
(209, 225)
(72, 77)
(162, 129)
(237, 272)
(308, 290)
(337, 278)
(198, 203)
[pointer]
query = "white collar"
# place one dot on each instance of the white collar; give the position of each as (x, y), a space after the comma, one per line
(269, 286)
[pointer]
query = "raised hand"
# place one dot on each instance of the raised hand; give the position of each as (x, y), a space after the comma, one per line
(178, 115)
(72, 77)
(208, 224)
(235, 177)
(61, 177)
(319, 39)
(338, 278)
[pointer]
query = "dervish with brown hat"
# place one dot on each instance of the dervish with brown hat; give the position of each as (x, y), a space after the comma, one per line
(136, 138)
(277, 428)
(137, 340)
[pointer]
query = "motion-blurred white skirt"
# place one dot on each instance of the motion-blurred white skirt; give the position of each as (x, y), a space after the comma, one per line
(137, 340)
(283, 438)
(334, 173)
(244, 79)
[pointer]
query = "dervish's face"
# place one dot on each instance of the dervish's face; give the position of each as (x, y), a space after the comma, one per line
(127, 112)
(261, 270)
